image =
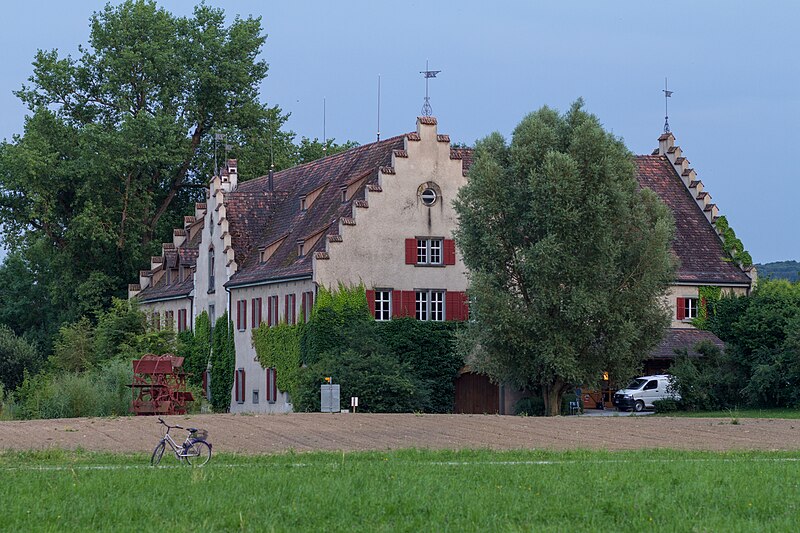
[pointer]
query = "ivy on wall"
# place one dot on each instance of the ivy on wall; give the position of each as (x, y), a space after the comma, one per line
(732, 244)
(279, 347)
(708, 297)
(223, 362)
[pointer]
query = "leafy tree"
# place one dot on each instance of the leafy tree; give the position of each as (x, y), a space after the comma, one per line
(568, 258)
(17, 357)
(74, 349)
(195, 347)
(118, 143)
(311, 150)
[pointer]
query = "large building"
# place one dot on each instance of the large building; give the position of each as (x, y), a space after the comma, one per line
(381, 214)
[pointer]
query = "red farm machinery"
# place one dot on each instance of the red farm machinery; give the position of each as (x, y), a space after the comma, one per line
(159, 385)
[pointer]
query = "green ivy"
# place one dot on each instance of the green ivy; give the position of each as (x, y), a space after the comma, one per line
(195, 347)
(732, 245)
(279, 347)
(223, 363)
(709, 296)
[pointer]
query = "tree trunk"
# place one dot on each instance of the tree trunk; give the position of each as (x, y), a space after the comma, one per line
(552, 394)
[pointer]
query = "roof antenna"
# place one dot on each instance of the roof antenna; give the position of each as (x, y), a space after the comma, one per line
(270, 183)
(379, 107)
(324, 124)
(667, 95)
(428, 74)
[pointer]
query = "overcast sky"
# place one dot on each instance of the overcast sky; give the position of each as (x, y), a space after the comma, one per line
(733, 68)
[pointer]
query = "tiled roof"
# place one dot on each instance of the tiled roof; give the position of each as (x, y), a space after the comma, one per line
(265, 221)
(161, 290)
(697, 246)
(677, 339)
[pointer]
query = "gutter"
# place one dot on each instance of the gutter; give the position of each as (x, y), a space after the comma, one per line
(275, 281)
(167, 298)
(714, 283)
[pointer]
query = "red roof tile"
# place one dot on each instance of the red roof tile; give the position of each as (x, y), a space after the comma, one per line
(679, 339)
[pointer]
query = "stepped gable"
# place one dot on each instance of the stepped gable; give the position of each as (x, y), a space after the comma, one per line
(356, 168)
(679, 338)
(697, 245)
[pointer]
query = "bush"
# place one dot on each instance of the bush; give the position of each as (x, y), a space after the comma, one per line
(17, 356)
(667, 405)
(530, 406)
(223, 363)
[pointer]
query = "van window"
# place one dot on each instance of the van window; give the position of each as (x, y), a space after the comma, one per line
(651, 385)
(636, 384)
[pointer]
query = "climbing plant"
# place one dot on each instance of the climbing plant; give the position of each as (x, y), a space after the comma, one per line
(223, 361)
(708, 296)
(732, 244)
(279, 347)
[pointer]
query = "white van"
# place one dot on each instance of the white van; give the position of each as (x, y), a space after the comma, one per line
(642, 392)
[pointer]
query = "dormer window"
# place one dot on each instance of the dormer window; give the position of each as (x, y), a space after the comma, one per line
(344, 194)
(301, 248)
(303, 206)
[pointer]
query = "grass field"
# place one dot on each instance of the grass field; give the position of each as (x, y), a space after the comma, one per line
(739, 413)
(404, 491)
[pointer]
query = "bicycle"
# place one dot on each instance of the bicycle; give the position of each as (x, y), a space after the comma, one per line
(194, 449)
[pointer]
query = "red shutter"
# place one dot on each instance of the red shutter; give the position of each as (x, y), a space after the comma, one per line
(449, 252)
(411, 251)
(450, 312)
(464, 306)
(397, 304)
(294, 309)
(303, 305)
(236, 386)
(269, 310)
(272, 385)
(286, 313)
(310, 302)
(371, 301)
(681, 309)
(409, 303)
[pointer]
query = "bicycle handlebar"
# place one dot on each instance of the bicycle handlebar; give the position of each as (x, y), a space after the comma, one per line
(168, 426)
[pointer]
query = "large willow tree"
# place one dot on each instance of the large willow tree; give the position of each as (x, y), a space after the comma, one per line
(568, 258)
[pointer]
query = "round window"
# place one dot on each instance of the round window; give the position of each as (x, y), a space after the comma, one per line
(428, 197)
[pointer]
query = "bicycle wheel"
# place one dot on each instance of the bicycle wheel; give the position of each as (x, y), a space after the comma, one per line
(199, 453)
(158, 453)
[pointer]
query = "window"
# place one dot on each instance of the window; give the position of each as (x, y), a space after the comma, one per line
(239, 386)
(303, 203)
(344, 194)
(182, 322)
(169, 320)
(271, 393)
(211, 223)
(306, 305)
(290, 309)
(241, 315)
(430, 305)
(383, 304)
(687, 308)
(301, 248)
(272, 311)
(429, 251)
(256, 312)
(255, 396)
(211, 270)
(651, 385)
(428, 197)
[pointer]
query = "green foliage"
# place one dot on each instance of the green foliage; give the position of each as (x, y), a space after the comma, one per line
(531, 406)
(429, 349)
(120, 332)
(667, 405)
(382, 383)
(336, 320)
(705, 382)
(223, 363)
(74, 349)
(311, 150)
(17, 356)
(568, 258)
(788, 270)
(279, 347)
(101, 391)
(732, 244)
(195, 348)
(709, 296)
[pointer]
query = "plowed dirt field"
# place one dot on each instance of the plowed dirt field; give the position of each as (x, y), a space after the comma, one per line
(254, 434)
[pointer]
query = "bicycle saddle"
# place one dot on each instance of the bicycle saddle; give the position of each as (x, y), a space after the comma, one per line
(191, 430)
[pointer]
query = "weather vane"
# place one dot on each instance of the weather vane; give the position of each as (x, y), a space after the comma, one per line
(428, 74)
(667, 95)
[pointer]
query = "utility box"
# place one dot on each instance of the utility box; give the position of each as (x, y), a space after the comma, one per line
(329, 398)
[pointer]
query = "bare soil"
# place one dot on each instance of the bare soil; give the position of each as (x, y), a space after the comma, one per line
(255, 434)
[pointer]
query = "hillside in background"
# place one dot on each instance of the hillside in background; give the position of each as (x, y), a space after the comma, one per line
(780, 270)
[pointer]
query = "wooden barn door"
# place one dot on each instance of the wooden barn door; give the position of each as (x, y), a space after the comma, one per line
(475, 394)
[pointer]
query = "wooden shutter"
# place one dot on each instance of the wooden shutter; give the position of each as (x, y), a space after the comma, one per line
(449, 252)
(409, 303)
(450, 312)
(397, 304)
(681, 315)
(371, 301)
(464, 306)
(286, 313)
(272, 385)
(310, 302)
(269, 310)
(411, 251)
(294, 309)
(236, 386)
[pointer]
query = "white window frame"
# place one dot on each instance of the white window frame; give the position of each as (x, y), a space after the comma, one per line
(383, 304)
(430, 305)
(691, 308)
(430, 251)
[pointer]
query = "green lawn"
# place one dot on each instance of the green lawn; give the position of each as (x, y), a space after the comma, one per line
(404, 491)
(739, 413)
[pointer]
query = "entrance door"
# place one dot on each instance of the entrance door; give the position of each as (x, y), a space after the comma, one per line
(475, 394)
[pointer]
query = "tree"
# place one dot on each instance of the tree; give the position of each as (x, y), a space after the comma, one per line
(17, 357)
(568, 259)
(120, 140)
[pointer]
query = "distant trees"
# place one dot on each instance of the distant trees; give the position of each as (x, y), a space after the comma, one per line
(568, 258)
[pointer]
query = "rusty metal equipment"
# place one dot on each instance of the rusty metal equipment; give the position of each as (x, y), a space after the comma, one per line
(159, 385)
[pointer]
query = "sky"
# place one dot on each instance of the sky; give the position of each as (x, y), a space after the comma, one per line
(733, 69)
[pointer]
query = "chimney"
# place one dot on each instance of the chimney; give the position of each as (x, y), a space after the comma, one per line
(230, 175)
(270, 184)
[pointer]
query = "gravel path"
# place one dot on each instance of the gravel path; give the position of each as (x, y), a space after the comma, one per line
(252, 434)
